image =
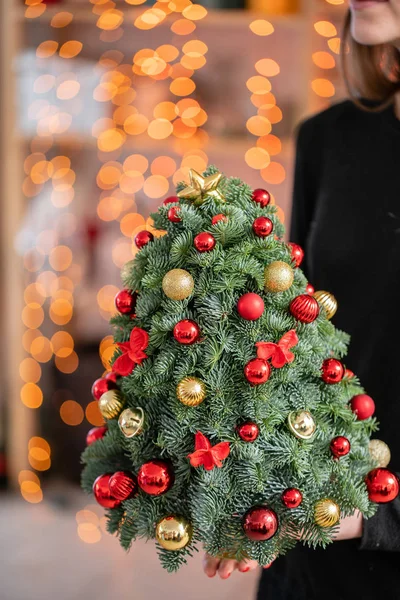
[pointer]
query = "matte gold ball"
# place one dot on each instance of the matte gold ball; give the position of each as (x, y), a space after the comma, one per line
(178, 284)
(111, 403)
(327, 301)
(278, 276)
(131, 421)
(191, 391)
(326, 512)
(380, 453)
(301, 424)
(173, 533)
(126, 271)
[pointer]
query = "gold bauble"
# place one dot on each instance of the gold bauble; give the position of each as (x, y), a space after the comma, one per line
(178, 284)
(126, 271)
(173, 533)
(131, 421)
(327, 301)
(380, 453)
(111, 403)
(326, 512)
(191, 391)
(278, 276)
(301, 424)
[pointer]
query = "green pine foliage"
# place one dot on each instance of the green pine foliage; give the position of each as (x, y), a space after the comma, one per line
(254, 473)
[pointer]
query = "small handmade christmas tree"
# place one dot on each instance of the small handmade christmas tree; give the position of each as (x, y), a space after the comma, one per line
(230, 418)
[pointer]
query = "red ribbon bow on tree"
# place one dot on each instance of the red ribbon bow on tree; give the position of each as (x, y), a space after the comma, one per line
(207, 455)
(132, 352)
(279, 353)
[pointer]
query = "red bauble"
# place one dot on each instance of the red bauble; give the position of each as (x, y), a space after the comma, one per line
(143, 238)
(262, 197)
(250, 306)
(292, 497)
(123, 485)
(170, 200)
(332, 370)
(101, 386)
(304, 308)
(94, 434)
(348, 374)
(101, 491)
(260, 523)
(204, 242)
(248, 431)
(297, 253)
(310, 289)
(257, 371)
(155, 477)
(125, 302)
(363, 406)
(340, 446)
(382, 485)
(262, 226)
(186, 332)
(218, 218)
(173, 214)
(111, 376)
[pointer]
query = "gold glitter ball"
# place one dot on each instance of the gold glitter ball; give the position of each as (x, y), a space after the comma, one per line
(327, 301)
(380, 453)
(131, 421)
(301, 424)
(111, 403)
(191, 391)
(178, 284)
(326, 512)
(173, 533)
(278, 276)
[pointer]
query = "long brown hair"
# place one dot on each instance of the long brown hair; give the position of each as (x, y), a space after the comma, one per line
(371, 72)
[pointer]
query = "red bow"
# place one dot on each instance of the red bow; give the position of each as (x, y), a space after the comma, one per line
(207, 455)
(279, 353)
(132, 352)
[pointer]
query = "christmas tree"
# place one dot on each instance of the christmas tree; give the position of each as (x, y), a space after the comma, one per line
(231, 421)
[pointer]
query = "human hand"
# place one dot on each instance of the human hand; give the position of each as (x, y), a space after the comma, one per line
(350, 528)
(225, 566)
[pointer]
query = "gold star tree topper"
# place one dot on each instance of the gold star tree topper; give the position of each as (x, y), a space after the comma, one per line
(201, 188)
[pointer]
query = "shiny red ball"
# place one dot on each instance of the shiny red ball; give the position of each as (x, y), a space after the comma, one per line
(332, 370)
(186, 332)
(348, 374)
(297, 253)
(111, 376)
(362, 406)
(125, 302)
(292, 497)
(170, 200)
(173, 214)
(257, 371)
(204, 242)
(248, 431)
(155, 477)
(123, 485)
(102, 493)
(260, 523)
(250, 306)
(101, 386)
(262, 197)
(143, 238)
(94, 434)
(304, 308)
(382, 485)
(340, 446)
(218, 218)
(262, 226)
(310, 289)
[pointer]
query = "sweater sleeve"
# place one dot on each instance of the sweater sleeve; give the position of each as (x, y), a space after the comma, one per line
(382, 531)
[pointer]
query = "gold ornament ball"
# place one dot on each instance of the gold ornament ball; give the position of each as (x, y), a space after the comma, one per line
(191, 391)
(126, 271)
(327, 301)
(301, 424)
(111, 403)
(278, 276)
(380, 453)
(326, 512)
(178, 284)
(131, 421)
(173, 533)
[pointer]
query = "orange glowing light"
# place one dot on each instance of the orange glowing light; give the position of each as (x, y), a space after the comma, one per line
(195, 48)
(109, 175)
(105, 298)
(325, 28)
(263, 100)
(323, 87)
(183, 27)
(89, 533)
(30, 370)
(61, 19)
(273, 114)
(274, 173)
(41, 349)
(60, 258)
(193, 63)
(121, 113)
(193, 12)
(39, 460)
(110, 140)
(182, 86)
(62, 198)
(324, 60)
(153, 66)
(182, 130)
(68, 89)
(93, 414)
(159, 129)
(62, 343)
(41, 171)
(26, 475)
(258, 125)
(31, 395)
(130, 222)
(46, 49)
(334, 45)
(33, 260)
(267, 67)
(71, 412)
(67, 364)
(30, 189)
(136, 124)
(271, 143)
(167, 52)
(35, 293)
(261, 27)
(110, 19)
(163, 165)
(28, 337)
(196, 162)
(87, 516)
(61, 311)
(135, 163)
(32, 12)
(165, 110)
(257, 158)
(70, 49)
(132, 183)
(32, 316)
(156, 186)
(31, 492)
(150, 19)
(121, 252)
(258, 84)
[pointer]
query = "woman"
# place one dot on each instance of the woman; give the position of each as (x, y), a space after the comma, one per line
(346, 214)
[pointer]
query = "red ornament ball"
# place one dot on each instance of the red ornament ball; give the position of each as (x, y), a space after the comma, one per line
(332, 370)
(143, 238)
(260, 523)
(292, 497)
(310, 289)
(155, 477)
(297, 253)
(262, 197)
(123, 485)
(102, 493)
(101, 386)
(340, 446)
(111, 376)
(170, 200)
(250, 306)
(248, 431)
(362, 406)
(262, 226)
(94, 434)
(218, 218)
(173, 214)
(257, 371)
(204, 242)
(382, 485)
(348, 374)
(186, 332)
(125, 302)
(304, 308)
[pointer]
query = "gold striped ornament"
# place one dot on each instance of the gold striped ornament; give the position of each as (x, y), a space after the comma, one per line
(327, 301)
(111, 403)
(326, 512)
(191, 391)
